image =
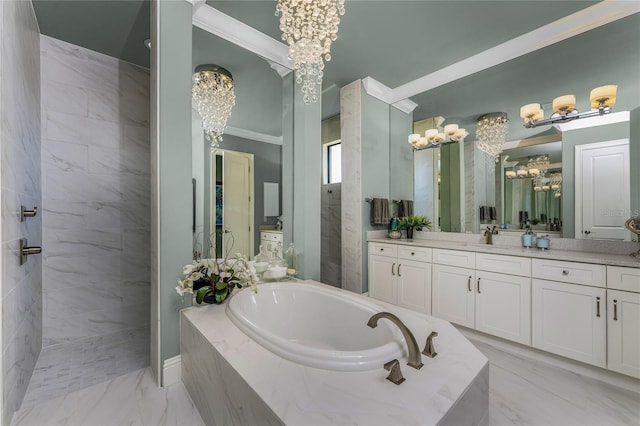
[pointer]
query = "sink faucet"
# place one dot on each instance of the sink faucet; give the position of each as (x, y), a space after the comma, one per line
(489, 233)
(415, 359)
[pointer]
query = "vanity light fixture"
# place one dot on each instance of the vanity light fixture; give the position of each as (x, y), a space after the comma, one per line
(309, 27)
(491, 132)
(536, 166)
(213, 97)
(433, 138)
(601, 98)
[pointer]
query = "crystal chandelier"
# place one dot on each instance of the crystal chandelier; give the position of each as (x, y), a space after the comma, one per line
(213, 97)
(433, 138)
(491, 133)
(309, 27)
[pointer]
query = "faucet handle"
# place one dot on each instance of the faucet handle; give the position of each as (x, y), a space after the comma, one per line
(429, 349)
(395, 374)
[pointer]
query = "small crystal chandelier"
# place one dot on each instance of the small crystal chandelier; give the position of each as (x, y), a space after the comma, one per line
(491, 133)
(433, 138)
(309, 27)
(213, 97)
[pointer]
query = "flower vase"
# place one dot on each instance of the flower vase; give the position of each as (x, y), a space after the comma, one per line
(410, 232)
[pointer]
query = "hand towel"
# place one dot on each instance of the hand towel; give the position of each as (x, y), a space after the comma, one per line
(405, 208)
(379, 211)
(493, 215)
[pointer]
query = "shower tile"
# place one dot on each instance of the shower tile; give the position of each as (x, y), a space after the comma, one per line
(64, 214)
(82, 242)
(104, 105)
(84, 130)
(104, 215)
(63, 272)
(65, 98)
(66, 156)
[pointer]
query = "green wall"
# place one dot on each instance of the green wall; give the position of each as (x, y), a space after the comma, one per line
(400, 155)
(450, 188)
(571, 139)
(173, 162)
(634, 153)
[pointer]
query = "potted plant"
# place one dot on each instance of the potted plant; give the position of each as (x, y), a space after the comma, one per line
(414, 222)
(213, 280)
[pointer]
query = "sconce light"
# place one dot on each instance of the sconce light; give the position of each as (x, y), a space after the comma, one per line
(433, 138)
(564, 107)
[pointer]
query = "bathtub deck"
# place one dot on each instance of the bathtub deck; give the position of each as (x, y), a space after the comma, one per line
(234, 380)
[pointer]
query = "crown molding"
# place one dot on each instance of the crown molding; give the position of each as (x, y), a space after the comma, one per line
(539, 140)
(281, 70)
(386, 94)
(240, 34)
(255, 136)
(582, 21)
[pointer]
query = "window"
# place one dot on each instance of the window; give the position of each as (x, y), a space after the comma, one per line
(332, 155)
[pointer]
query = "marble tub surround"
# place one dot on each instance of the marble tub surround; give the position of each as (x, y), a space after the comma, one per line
(234, 380)
(615, 253)
(95, 219)
(20, 184)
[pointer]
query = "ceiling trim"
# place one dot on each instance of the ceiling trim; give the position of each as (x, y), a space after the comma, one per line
(240, 34)
(539, 140)
(254, 136)
(386, 94)
(587, 19)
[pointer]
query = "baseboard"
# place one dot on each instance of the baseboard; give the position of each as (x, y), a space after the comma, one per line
(171, 371)
(586, 370)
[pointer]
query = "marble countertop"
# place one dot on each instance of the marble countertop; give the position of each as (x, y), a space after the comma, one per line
(299, 394)
(554, 254)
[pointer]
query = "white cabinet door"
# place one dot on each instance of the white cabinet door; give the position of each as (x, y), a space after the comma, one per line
(453, 294)
(623, 326)
(414, 285)
(503, 306)
(382, 278)
(569, 320)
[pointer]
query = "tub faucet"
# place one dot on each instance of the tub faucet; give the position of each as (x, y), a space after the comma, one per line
(489, 233)
(415, 359)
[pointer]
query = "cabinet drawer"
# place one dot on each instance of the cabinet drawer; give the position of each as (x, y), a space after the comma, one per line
(380, 249)
(570, 272)
(421, 254)
(503, 264)
(626, 279)
(463, 259)
(271, 236)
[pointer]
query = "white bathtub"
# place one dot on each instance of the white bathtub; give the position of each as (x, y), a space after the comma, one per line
(319, 327)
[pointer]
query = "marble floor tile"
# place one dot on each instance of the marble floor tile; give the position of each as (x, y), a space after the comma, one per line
(529, 392)
(131, 399)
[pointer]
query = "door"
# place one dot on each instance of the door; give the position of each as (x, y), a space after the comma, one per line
(238, 203)
(623, 326)
(383, 278)
(569, 320)
(414, 285)
(503, 306)
(603, 190)
(453, 294)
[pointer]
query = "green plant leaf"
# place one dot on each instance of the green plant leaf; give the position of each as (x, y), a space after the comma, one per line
(221, 285)
(200, 294)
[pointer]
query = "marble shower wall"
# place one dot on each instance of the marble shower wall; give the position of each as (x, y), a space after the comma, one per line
(19, 185)
(96, 230)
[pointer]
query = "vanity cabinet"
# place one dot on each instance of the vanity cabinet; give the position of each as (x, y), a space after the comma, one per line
(569, 315)
(623, 320)
(401, 275)
(453, 294)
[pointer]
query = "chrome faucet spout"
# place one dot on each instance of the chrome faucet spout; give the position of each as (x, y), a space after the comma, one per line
(415, 359)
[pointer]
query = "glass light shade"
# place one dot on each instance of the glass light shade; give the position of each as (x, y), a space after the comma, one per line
(537, 188)
(431, 133)
(564, 104)
(440, 137)
(555, 186)
(510, 174)
(460, 134)
(422, 142)
(413, 138)
(534, 172)
(557, 194)
(521, 171)
(450, 129)
(530, 110)
(604, 96)
(538, 116)
(545, 187)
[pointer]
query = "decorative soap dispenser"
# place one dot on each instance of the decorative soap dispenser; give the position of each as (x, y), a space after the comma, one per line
(291, 256)
(528, 237)
(261, 261)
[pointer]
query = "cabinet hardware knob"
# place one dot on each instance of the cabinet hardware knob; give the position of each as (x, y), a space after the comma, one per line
(392, 270)
(469, 283)
(412, 253)
(615, 310)
(565, 272)
(598, 307)
(381, 249)
(399, 266)
(587, 232)
(479, 285)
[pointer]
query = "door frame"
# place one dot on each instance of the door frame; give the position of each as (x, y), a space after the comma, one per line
(212, 207)
(578, 208)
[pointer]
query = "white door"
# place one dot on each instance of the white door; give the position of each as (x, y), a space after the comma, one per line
(238, 203)
(603, 190)
(569, 320)
(623, 332)
(414, 285)
(503, 306)
(383, 278)
(453, 294)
